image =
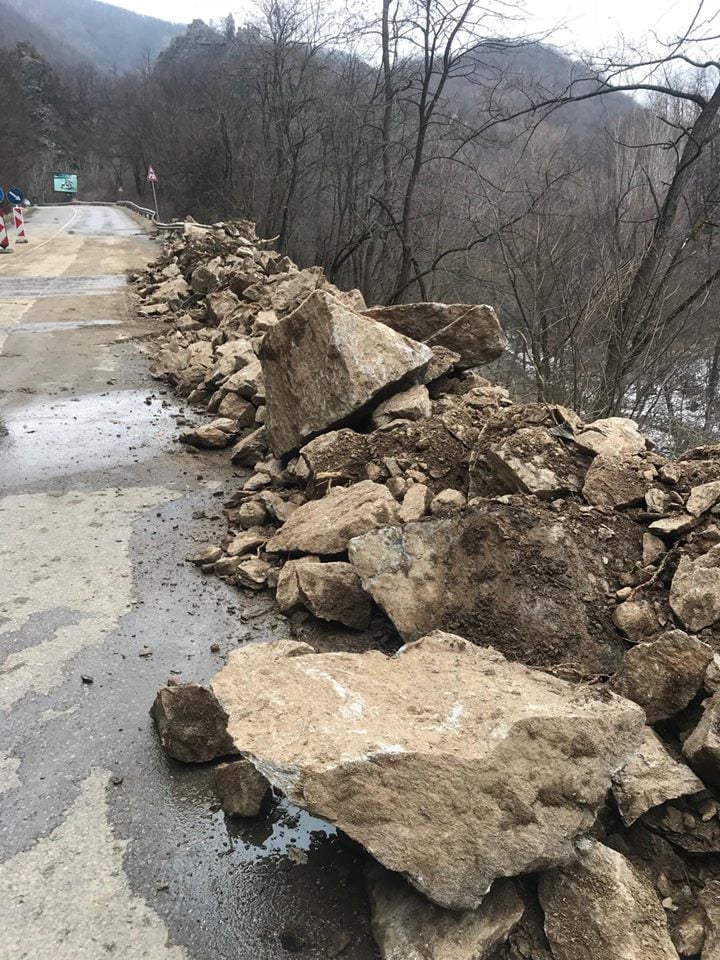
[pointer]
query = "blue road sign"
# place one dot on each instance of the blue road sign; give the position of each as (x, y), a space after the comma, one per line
(15, 196)
(2, 194)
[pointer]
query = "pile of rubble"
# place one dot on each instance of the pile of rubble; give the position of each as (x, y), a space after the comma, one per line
(537, 767)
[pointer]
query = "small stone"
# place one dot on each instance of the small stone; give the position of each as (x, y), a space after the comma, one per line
(695, 590)
(665, 675)
(674, 526)
(240, 787)
(116, 779)
(191, 723)
(86, 678)
(250, 449)
(703, 497)
(209, 554)
(413, 404)
(657, 500)
(251, 514)
(416, 503)
(637, 620)
(397, 487)
(653, 549)
(332, 591)
(253, 573)
(447, 502)
(246, 542)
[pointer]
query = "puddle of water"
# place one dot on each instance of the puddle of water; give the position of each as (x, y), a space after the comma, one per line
(37, 287)
(283, 829)
(96, 431)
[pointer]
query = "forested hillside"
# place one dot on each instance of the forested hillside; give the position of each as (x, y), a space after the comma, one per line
(107, 36)
(432, 155)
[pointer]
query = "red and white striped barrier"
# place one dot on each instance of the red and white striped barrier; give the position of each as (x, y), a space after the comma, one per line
(20, 224)
(4, 241)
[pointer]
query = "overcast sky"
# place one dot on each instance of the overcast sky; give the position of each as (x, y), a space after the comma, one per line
(588, 25)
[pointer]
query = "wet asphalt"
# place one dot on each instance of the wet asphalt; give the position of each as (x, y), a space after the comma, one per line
(107, 847)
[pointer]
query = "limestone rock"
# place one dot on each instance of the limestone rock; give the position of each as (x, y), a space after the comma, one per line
(653, 549)
(658, 500)
(221, 305)
(710, 902)
(416, 502)
(252, 573)
(212, 436)
(695, 590)
(614, 483)
(338, 456)
(516, 577)
(323, 364)
(240, 788)
(703, 497)
(447, 502)
(172, 291)
(246, 542)
(637, 619)
(287, 594)
(250, 449)
(651, 777)
(411, 404)
(446, 762)
(191, 723)
(473, 332)
(672, 527)
(663, 676)
(612, 437)
(332, 591)
(326, 526)
(532, 460)
(408, 927)
(209, 554)
(601, 908)
(702, 747)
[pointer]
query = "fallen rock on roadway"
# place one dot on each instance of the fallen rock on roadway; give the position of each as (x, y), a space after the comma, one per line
(385, 489)
(449, 764)
(323, 364)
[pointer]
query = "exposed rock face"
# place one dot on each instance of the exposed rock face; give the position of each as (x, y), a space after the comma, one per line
(531, 460)
(702, 747)
(473, 332)
(651, 777)
(695, 590)
(191, 723)
(326, 526)
(498, 767)
(528, 578)
(601, 908)
(324, 363)
(240, 788)
(663, 676)
(408, 927)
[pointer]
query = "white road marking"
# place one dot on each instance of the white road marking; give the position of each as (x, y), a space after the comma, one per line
(69, 898)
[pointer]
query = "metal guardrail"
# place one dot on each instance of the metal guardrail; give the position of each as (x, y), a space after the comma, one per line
(143, 211)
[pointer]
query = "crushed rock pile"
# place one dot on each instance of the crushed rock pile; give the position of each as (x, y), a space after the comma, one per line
(535, 771)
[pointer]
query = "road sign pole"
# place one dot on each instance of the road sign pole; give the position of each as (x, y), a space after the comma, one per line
(157, 212)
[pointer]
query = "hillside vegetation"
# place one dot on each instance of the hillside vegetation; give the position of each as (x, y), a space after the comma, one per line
(430, 153)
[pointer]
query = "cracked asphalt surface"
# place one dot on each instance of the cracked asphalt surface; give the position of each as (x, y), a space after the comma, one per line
(107, 847)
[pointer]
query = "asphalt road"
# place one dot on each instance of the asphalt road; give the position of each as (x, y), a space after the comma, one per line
(107, 847)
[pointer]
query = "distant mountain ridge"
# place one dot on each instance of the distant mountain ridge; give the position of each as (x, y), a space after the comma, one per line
(110, 37)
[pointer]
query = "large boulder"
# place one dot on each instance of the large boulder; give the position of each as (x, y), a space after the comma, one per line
(472, 331)
(323, 364)
(326, 526)
(517, 576)
(601, 908)
(332, 591)
(408, 926)
(448, 763)
(612, 437)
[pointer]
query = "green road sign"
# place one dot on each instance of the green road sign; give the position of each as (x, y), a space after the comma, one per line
(65, 182)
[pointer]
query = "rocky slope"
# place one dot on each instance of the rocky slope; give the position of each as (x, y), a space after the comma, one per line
(537, 766)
